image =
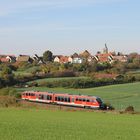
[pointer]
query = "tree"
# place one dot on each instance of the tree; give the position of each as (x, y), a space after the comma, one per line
(47, 56)
(7, 76)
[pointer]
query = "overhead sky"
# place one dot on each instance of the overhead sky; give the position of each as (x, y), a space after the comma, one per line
(68, 26)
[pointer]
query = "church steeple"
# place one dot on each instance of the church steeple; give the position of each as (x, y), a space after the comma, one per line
(105, 50)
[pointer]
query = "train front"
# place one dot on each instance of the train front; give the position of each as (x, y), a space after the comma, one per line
(102, 105)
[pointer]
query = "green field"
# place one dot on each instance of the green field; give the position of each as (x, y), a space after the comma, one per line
(23, 73)
(120, 96)
(31, 124)
(58, 79)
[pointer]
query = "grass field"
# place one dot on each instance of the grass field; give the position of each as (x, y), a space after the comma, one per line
(120, 96)
(31, 124)
(23, 73)
(58, 79)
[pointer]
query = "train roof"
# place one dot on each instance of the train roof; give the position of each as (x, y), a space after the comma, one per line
(66, 94)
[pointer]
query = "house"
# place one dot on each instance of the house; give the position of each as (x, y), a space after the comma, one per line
(24, 58)
(121, 58)
(104, 57)
(7, 58)
(63, 59)
(76, 59)
(38, 59)
(57, 58)
(85, 54)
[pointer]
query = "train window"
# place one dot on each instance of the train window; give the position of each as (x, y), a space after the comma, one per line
(80, 99)
(59, 98)
(50, 97)
(87, 100)
(68, 99)
(76, 99)
(26, 94)
(41, 96)
(62, 99)
(32, 94)
(99, 100)
(65, 99)
(55, 98)
(84, 100)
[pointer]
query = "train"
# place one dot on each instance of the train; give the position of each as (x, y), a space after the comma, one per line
(84, 101)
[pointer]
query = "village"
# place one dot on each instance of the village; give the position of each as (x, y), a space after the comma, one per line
(100, 57)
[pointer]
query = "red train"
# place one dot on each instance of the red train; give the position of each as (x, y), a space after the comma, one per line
(64, 99)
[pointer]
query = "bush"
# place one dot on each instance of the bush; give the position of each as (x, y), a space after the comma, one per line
(8, 92)
(129, 109)
(6, 101)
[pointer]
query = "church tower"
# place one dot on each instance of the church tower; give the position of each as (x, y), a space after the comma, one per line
(105, 50)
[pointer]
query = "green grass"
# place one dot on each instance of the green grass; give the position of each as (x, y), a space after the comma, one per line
(31, 124)
(57, 79)
(134, 71)
(120, 96)
(23, 73)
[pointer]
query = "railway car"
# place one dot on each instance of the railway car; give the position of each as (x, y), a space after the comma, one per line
(64, 99)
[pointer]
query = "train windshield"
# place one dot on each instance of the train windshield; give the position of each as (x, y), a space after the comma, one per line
(99, 100)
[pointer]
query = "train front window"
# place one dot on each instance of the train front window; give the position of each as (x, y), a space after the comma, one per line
(99, 100)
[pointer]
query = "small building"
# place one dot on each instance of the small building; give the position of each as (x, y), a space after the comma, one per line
(120, 58)
(77, 60)
(63, 59)
(104, 57)
(24, 58)
(7, 58)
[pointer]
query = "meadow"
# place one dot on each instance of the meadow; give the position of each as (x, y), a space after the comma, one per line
(58, 79)
(39, 124)
(119, 96)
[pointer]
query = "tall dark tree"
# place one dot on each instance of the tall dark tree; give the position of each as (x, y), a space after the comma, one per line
(47, 56)
(7, 76)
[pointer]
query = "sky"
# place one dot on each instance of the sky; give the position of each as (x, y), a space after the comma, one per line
(69, 26)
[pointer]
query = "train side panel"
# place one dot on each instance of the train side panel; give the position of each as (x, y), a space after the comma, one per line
(63, 99)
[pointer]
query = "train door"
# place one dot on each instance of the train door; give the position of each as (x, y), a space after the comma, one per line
(72, 99)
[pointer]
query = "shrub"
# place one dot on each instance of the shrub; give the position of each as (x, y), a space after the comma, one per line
(6, 101)
(8, 92)
(129, 109)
